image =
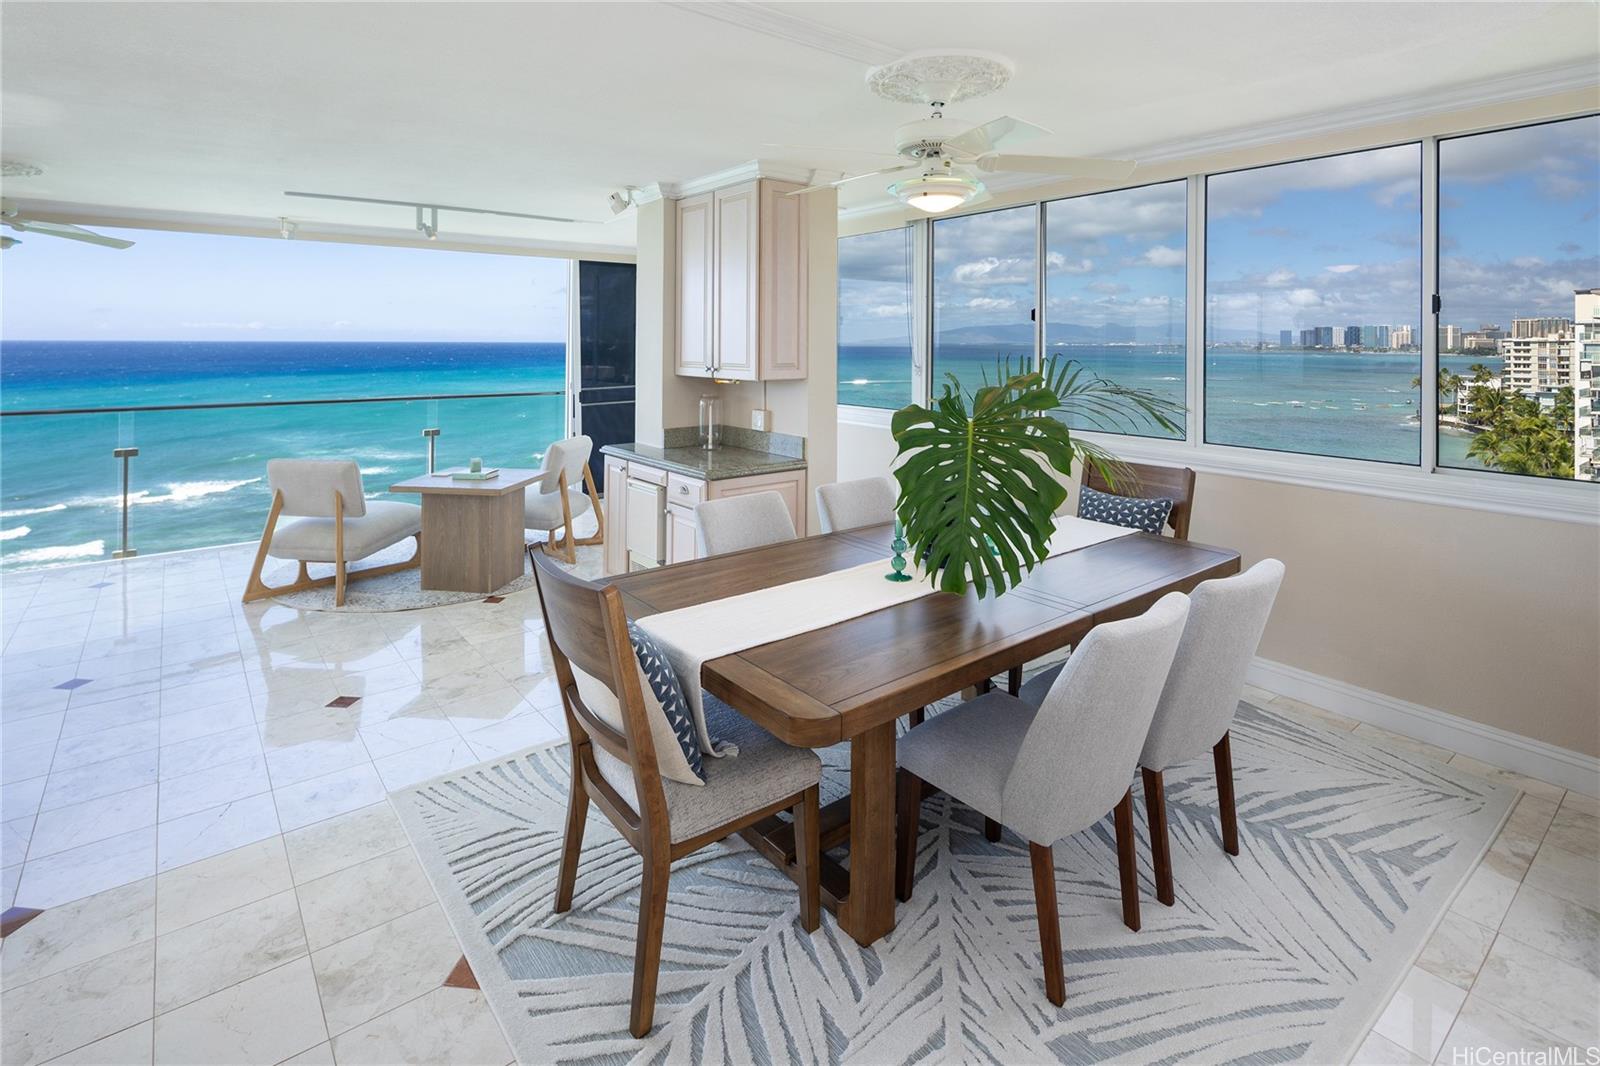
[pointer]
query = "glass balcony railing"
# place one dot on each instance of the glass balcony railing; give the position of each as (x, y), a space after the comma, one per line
(78, 485)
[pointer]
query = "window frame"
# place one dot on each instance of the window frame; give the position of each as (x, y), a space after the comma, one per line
(1483, 490)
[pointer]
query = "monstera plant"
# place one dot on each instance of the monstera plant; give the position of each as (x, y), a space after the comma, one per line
(981, 473)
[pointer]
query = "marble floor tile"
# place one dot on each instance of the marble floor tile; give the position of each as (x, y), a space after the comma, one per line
(202, 753)
(234, 946)
(1397, 742)
(214, 831)
(21, 798)
(83, 783)
(314, 758)
(15, 835)
(106, 744)
(69, 875)
(323, 797)
(133, 1046)
(1555, 926)
(9, 877)
(77, 1006)
(75, 933)
(94, 717)
(206, 721)
(1456, 950)
(353, 900)
(1419, 1016)
(419, 764)
(446, 1025)
(404, 732)
(1576, 830)
(1546, 993)
(62, 828)
(1486, 897)
(321, 1055)
(375, 971)
(1482, 1027)
(1563, 874)
(263, 1020)
(339, 842)
(38, 729)
(192, 793)
(1513, 849)
(1531, 785)
(25, 760)
(1379, 1051)
(517, 734)
(221, 883)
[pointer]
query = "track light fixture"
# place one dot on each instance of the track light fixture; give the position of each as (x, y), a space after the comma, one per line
(428, 214)
(429, 228)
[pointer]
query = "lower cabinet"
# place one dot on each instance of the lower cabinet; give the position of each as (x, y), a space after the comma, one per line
(616, 541)
(682, 493)
(681, 533)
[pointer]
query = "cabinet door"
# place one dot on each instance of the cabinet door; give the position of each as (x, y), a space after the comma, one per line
(737, 301)
(616, 548)
(696, 285)
(782, 299)
(681, 530)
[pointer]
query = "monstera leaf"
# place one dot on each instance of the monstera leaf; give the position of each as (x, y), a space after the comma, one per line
(981, 474)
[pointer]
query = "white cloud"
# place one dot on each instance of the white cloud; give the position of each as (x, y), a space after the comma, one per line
(1162, 255)
(990, 303)
(1342, 268)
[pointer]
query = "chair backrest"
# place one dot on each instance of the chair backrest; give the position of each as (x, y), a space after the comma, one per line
(1078, 757)
(1147, 481)
(1226, 619)
(737, 522)
(568, 457)
(853, 504)
(588, 630)
(308, 486)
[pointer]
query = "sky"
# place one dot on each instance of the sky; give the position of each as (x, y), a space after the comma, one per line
(875, 288)
(190, 286)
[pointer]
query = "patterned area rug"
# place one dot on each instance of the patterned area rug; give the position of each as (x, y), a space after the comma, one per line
(1348, 857)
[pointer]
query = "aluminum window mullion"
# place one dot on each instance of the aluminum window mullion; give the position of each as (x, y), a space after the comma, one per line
(922, 311)
(1195, 317)
(1428, 405)
(1040, 301)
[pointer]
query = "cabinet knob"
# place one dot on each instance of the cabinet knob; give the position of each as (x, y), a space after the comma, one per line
(684, 489)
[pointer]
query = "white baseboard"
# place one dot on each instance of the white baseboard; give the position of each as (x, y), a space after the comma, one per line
(1498, 747)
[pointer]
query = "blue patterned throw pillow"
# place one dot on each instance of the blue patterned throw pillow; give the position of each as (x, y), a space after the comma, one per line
(664, 696)
(1130, 512)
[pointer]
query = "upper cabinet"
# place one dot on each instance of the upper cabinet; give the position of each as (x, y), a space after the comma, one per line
(742, 283)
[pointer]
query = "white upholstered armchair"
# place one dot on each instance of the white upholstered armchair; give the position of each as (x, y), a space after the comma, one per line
(554, 501)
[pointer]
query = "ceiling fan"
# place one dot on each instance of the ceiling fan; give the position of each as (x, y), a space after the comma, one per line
(945, 152)
(11, 215)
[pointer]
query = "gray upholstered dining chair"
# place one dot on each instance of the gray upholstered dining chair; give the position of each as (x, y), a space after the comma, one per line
(868, 501)
(334, 523)
(552, 502)
(735, 523)
(1052, 770)
(1226, 619)
(613, 766)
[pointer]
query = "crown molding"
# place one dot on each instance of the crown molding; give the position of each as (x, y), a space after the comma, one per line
(750, 170)
(769, 20)
(93, 215)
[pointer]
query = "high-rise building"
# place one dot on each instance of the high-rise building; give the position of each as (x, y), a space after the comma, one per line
(1308, 338)
(1537, 327)
(1369, 337)
(1382, 335)
(1586, 345)
(1401, 337)
(1542, 364)
(1449, 338)
(1324, 336)
(1286, 338)
(1352, 336)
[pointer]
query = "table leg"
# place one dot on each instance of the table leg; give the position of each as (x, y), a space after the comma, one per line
(868, 912)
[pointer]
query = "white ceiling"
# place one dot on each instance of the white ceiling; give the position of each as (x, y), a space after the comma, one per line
(217, 108)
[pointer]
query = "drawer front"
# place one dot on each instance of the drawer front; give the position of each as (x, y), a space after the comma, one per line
(653, 474)
(685, 491)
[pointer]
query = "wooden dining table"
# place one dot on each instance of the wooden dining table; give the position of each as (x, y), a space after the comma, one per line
(850, 681)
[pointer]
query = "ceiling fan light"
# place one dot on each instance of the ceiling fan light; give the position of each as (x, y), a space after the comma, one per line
(936, 193)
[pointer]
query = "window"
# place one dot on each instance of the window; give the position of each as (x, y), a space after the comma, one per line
(985, 280)
(875, 319)
(1519, 267)
(1115, 276)
(1313, 306)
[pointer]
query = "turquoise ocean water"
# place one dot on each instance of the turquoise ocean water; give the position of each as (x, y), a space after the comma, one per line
(200, 476)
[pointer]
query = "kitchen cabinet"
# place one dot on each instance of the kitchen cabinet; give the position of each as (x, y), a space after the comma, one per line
(616, 546)
(742, 283)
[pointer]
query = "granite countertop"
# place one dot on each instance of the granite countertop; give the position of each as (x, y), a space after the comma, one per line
(718, 464)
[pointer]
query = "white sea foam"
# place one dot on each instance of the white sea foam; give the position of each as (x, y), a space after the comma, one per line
(61, 553)
(14, 532)
(177, 492)
(23, 512)
(377, 470)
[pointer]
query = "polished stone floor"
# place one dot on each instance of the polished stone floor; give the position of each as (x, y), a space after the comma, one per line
(193, 797)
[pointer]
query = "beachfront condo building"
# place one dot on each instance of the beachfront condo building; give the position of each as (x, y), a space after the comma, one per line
(776, 533)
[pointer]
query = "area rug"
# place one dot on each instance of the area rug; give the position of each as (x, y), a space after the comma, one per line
(1349, 856)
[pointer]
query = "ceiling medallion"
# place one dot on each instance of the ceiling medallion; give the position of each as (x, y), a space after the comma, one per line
(9, 169)
(940, 77)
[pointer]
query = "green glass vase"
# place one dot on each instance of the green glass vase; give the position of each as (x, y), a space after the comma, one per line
(898, 560)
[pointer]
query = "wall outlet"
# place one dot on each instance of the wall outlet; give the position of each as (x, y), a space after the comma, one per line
(761, 420)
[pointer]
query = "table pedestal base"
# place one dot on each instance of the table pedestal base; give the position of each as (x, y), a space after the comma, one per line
(471, 543)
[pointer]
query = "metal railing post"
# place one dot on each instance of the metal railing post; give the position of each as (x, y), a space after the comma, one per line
(432, 434)
(124, 454)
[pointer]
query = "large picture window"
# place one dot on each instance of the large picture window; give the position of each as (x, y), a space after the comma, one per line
(1115, 275)
(985, 286)
(1519, 286)
(1313, 306)
(875, 319)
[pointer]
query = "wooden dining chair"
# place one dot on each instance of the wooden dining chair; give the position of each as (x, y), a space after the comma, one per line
(1054, 770)
(614, 767)
(1143, 481)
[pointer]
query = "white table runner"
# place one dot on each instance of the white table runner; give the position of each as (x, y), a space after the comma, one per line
(690, 636)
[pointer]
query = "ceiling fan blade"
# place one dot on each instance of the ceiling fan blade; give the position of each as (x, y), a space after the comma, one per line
(981, 140)
(853, 177)
(70, 232)
(1064, 165)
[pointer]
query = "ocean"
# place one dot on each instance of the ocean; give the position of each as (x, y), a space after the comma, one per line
(200, 476)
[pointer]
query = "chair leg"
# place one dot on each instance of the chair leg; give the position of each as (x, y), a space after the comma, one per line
(908, 816)
(1044, 898)
(594, 502)
(1222, 753)
(572, 846)
(1127, 862)
(339, 573)
(918, 716)
(1014, 680)
(647, 949)
(1155, 805)
(991, 830)
(808, 859)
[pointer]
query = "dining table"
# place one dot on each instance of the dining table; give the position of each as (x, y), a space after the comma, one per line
(851, 681)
